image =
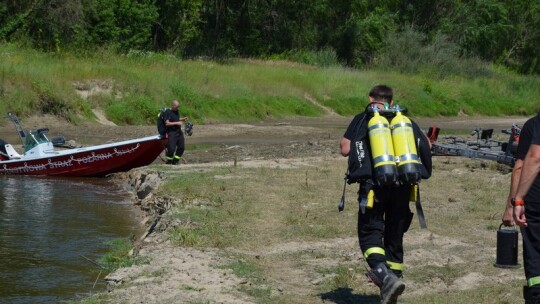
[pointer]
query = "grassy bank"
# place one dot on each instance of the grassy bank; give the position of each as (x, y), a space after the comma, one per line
(294, 247)
(130, 88)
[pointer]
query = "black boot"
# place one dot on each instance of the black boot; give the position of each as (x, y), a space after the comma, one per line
(391, 286)
(529, 297)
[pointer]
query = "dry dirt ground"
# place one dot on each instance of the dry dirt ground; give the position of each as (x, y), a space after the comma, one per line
(188, 275)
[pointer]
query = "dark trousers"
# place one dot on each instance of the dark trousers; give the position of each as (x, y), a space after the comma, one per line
(3, 152)
(531, 247)
(381, 229)
(175, 146)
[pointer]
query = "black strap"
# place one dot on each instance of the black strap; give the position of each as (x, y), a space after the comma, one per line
(341, 205)
(419, 210)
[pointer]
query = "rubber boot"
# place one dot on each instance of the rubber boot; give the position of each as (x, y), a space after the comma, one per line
(392, 287)
(529, 297)
(526, 295)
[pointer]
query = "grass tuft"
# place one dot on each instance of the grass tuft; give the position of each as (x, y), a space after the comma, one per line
(119, 256)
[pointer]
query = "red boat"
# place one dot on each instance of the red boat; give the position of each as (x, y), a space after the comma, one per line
(41, 157)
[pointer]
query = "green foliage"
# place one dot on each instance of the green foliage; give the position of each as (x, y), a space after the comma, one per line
(324, 58)
(481, 27)
(362, 37)
(122, 24)
(191, 101)
(132, 111)
(344, 277)
(237, 109)
(204, 228)
(498, 31)
(244, 269)
(411, 52)
(184, 236)
(48, 101)
(119, 256)
(134, 21)
(179, 25)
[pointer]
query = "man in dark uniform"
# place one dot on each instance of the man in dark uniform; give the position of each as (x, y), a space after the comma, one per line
(175, 145)
(526, 205)
(3, 153)
(381, 228)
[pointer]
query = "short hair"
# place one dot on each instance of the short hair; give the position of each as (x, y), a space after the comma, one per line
(381, 92)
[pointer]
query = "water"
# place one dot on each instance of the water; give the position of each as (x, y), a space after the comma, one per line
(47, 225)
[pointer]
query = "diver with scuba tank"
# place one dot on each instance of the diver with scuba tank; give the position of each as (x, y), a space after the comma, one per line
(388, 156)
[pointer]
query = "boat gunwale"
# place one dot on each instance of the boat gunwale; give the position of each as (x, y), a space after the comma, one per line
(75, 151)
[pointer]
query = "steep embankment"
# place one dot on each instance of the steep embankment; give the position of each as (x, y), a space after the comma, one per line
(129, 90)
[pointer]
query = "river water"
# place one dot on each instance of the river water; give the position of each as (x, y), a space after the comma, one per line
(48, 226)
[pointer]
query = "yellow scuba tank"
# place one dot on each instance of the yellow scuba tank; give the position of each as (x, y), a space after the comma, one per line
(407, 161)
(382, 150)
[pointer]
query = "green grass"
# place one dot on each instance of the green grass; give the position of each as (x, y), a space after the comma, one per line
(445, 273)
(184, 236)
(344, 277)
(245, 269)
(232, 211)
(238, 90)
(118, 256)
(197, 147)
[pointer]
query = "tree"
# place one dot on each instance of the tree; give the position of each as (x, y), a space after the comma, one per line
(480, 27)
(178, 26)
(125, 24)
(522, 52)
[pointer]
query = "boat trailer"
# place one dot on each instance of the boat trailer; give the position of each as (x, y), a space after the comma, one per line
(483, 147)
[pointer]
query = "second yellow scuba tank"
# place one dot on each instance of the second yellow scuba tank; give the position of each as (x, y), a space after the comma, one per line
(407, 161)
(382, 150)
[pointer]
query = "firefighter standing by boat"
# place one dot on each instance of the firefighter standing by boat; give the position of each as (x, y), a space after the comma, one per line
(385, 189)
(176, 143)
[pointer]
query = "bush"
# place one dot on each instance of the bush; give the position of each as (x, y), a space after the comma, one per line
(325, 57)
(411, 52)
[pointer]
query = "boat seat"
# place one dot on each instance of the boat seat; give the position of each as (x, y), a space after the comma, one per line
(11, 152)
